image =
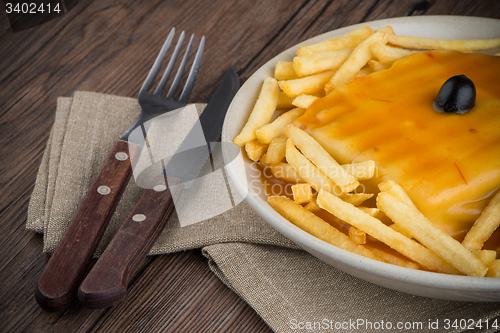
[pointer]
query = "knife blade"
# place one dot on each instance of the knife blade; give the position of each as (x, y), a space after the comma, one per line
(187, 161)
(107, 282)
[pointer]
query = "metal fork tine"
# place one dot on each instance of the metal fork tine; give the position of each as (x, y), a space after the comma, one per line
(157, 64)
(154, 104)
(170, 66)
(188, 87)
(178, 76)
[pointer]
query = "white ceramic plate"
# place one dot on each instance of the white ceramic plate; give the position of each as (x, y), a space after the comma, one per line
(411, 281)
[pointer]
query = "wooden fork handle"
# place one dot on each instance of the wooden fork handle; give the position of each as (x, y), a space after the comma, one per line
(106, 284)
(59, 281)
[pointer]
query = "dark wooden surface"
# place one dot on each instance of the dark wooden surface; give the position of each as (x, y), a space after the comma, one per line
(108, 47)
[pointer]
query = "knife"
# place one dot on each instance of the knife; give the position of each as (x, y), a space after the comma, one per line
(106, 284)
(57, 285)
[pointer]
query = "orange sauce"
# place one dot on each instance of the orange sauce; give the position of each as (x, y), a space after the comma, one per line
(449, 164)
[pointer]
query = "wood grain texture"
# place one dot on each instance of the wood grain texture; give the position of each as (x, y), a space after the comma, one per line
(107, 46)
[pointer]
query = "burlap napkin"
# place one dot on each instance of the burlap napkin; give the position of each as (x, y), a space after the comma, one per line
(291, 290)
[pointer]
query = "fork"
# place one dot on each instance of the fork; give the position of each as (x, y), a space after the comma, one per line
(66, 268)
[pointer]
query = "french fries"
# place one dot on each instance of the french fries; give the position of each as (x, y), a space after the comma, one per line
(322, 184)
(276, 151)
(437, 44)
(349, 40)
(430, 236)
(484, 226)
(387, 30)
(494, 269)
(304, 101)
(486, 256)
(397, 191)
(398, 228)
(302, 193)
(383, 233)
(255, 150)
(356, 199)
(314, 225)
(376, 65)
(320, 157)
(307, 85)
(362, 170)
(284, 71)
(358, 58)
(357, 236)
(285, 172)
(284, 101)
(308, 171)
(263, 162)
(315, 63)
(268, 132)
(387, 54)
(313, 205)
(262, 112)
(376, 213)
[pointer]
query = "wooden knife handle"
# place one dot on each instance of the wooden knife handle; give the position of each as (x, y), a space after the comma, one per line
(106, 284)
(59, 281)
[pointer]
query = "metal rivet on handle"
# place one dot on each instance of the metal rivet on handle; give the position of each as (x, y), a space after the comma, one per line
(159, 188)
(121, 156)
(103, 190)
(139, 217)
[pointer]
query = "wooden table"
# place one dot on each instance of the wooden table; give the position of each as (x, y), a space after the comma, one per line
(108, 46)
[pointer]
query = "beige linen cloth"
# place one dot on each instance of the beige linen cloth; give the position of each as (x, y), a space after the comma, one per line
(291, 290)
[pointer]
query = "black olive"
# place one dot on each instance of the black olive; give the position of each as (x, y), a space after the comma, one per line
(457, 95)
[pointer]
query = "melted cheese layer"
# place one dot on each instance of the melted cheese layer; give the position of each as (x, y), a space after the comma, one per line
(449, 164)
